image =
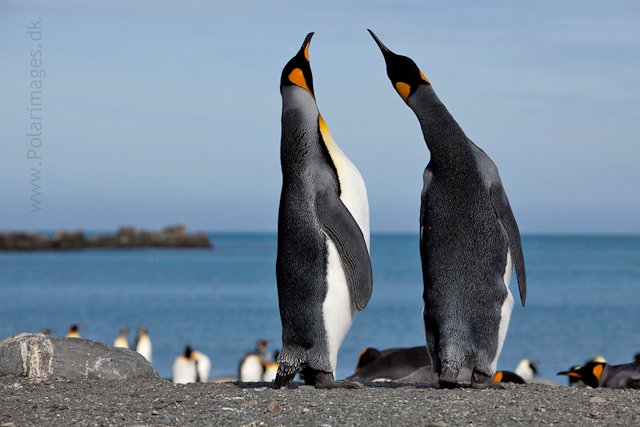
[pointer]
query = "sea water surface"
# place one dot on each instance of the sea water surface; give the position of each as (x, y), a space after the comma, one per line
(583, 299)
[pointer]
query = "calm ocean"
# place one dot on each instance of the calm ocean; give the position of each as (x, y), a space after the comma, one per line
(583, 299)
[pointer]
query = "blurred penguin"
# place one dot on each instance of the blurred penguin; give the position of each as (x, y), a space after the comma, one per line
(255, 364)
(185, 368)
(204, 366)
(526, 370)
(73, 331)
(143, 343)
(508, 377)
(191, 367)
(251, 368)
(599, 374)
(576, 381)
(263, 352)
(271, 369)
(122, 340)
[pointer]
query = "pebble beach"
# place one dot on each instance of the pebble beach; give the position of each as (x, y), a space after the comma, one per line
(27, 402)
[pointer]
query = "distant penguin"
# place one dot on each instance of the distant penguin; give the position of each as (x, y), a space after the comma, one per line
(251, 368)
(573, 381)
(323, 268)
(526, 370)
(122, 340)
(191, 367)
(143, 344)
(204, 366)
(45, 331)
(599, 374)
(270, 372)
(469, 239)
(73, 331)
(185, 368)
(263, 351)
(508, 377)
(367, 356)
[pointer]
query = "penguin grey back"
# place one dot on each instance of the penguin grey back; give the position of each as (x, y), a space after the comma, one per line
(469, 239)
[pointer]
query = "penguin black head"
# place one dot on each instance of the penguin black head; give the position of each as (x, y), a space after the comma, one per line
(404, 74)
(589, 374)
(508, 377)
(367, 356)
(187, 351)
(298, 71)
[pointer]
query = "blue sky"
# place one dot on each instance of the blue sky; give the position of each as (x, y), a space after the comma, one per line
(156, 112)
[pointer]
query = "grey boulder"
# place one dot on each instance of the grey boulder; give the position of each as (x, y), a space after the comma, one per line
(42, 356)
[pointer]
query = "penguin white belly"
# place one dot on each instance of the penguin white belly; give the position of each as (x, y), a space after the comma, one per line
(338, 310)
(144, 348)
(121, 342)
(204, 366)
(353, 192)
(270, 373)
(251, 369)
(183, 371)
(505, 312)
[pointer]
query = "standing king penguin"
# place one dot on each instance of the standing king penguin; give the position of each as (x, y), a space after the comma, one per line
(469, 239)
(323, 268)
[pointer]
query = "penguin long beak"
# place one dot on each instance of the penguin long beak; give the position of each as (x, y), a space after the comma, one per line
(305, 45)
(385, 50)
(570, 373)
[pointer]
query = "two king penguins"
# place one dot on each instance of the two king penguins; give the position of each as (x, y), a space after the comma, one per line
(469, 239)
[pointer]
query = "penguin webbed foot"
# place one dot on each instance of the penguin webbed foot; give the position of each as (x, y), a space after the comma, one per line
(325, 380)
(448, 378)
(480, 380)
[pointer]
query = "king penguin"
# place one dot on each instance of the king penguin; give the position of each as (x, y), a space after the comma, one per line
(122, 340)
(191, 367)
(73, 331)
(600, 374)
(469, 239)
(143, 343)
(323, 268)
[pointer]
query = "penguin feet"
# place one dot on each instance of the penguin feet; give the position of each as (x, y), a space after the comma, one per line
(325, 380)
(285, 375)
(448, 378)
(480, 380)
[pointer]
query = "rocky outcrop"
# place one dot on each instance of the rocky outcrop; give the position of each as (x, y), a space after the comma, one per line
(126, 237)
(42, 356)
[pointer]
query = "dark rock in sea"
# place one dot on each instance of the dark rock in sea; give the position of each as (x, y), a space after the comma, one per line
(69, 239)
(126, 237)
(14, 240)
(42, 356)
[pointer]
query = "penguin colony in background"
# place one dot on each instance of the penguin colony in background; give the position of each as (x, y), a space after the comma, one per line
(323, 269)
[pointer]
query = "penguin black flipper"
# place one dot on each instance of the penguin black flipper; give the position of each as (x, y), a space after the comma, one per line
(343, 230)
(508, 222)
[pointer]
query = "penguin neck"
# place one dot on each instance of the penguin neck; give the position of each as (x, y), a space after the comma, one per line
(446, 141)
(300, 145)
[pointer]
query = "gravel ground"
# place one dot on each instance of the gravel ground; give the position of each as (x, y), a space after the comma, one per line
(25, 402)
